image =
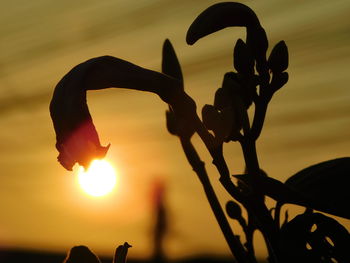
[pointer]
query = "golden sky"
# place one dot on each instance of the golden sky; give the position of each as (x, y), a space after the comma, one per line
(42, 206)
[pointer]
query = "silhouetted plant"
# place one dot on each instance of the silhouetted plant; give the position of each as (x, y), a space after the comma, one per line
(251, 83)
(82, 254)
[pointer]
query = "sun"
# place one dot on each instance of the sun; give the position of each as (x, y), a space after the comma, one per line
(99, 179)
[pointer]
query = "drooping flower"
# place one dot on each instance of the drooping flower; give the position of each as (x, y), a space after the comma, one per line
(76, 137)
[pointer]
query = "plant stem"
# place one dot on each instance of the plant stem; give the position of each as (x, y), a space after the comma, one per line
(217, 155)
(256, 205)
(259, 115)
(197, 164)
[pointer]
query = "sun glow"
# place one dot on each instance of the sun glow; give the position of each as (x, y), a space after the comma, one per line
(99, 179)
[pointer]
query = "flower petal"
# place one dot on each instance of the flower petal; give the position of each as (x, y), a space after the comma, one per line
(77, 138)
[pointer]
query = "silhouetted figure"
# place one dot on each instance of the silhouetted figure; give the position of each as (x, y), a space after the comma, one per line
(160, 226)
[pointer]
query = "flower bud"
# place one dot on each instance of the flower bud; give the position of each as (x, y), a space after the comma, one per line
(211, 118)
(278, 60)
(233, 210)
(279, 80)
(243, 60)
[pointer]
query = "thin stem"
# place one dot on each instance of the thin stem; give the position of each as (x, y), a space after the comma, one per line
(278, 214)
(250, 156)
(197, 164)
(259, 115)
(218, 159)
(256, 206)
(249, 231)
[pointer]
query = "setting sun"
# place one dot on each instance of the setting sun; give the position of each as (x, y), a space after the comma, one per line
(99, 179)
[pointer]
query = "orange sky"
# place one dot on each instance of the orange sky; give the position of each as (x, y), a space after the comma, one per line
(43, 208)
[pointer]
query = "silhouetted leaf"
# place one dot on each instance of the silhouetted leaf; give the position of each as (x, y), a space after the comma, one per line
(121, 253)
(176, 125)
(81, 254)
(243, 59)
(306, 239)
(324, 187)
(326, 184)
(219, 16)
(272, 188)
(278, 59)
(170, 63)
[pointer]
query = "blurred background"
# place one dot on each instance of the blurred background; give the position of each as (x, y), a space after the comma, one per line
(42, 207)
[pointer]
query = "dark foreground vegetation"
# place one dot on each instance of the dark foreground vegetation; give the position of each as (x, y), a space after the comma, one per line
(237, 115)
(14, 256)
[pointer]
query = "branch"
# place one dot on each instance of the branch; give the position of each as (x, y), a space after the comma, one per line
(198, 167)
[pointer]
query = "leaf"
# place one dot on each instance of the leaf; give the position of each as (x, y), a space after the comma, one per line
(170, 63)
(81, 254)
(220, 16)
(175, 124)
(324, 187)
(327, 186)
(278, 59)
(272, 188)
(121, 252)
(314, 230)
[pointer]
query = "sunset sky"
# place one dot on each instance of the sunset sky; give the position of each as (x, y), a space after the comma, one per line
(42, 206)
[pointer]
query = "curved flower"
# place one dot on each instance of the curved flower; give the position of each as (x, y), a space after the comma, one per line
(77, 138)
(232, 14)
(220, 16)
